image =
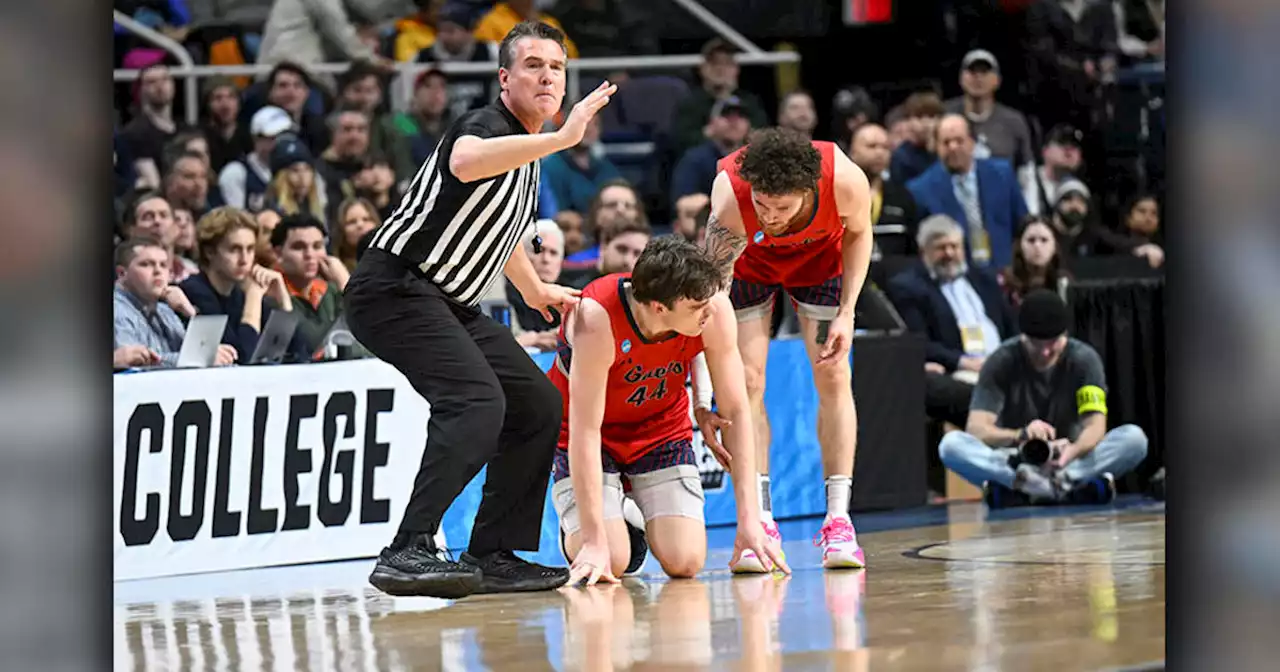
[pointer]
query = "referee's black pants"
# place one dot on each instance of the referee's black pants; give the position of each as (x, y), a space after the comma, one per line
(490, 403)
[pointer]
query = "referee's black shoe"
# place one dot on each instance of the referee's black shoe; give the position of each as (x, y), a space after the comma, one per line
(505, 572)
(412, 565)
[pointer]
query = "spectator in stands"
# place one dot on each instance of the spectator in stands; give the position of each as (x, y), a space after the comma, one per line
(1077, 228)
(982, 193)
(427, 117)
(313, 31)
(504, 16)
(727, 130)
(245, 181)
(1052, 388)
(226, 138)
(851, 107)
(620, 245)
(346, 154)
(893, 210)
(153, 125)
(1139, 29)
(182, 263)
(1141, 231)
(917, 152)
(263, 253)
(898, 126)
(797, 112)
(455, 43)
(360, 88)
(315, 279)
(1070, 46)
(1063, 160)
(719, 73)
(231, 284)
(958, 308)
(576, 175)
(186, 183)
(571, 225)
(1036, 262)
(617, 201)
(417, 31)
(531, 329)
(147, 329)
(356, 218)
(248, 16)
(148, 214)
(376, 183)
(288, 88)
(295, 184)
(608, 28)
(687, 209)
(1002, 132)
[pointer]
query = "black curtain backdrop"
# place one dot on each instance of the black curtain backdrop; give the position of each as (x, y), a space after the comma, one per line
(1123, 320)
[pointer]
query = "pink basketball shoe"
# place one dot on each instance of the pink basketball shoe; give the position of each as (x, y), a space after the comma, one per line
(750, 563)
(839, 544)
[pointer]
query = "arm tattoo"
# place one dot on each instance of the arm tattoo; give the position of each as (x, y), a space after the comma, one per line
(724, 247)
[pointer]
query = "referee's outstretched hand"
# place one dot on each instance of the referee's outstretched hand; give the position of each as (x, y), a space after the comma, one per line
(563, 299)
(575, 126)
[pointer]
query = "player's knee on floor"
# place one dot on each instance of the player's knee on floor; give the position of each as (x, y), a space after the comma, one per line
(682, 563)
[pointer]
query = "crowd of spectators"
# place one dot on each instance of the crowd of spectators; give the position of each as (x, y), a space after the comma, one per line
(263, 205)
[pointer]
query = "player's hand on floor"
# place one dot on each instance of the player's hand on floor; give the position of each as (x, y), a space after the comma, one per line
(754, 538)
(708, 423)
(591, 565)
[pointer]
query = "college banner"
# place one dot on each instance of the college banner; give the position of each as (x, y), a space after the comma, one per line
(235, 468)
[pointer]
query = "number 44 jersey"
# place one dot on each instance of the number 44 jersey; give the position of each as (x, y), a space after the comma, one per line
(646, 403)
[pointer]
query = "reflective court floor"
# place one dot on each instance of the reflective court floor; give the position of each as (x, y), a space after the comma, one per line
(948, 588)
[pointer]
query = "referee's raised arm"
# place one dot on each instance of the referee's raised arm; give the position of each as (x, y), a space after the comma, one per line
(476, 158)
(412, 301)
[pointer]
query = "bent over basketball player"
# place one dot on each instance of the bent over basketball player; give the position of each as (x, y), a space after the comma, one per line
(794, 215)
(624, 354)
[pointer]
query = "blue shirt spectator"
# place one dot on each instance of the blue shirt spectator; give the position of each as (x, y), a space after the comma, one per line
(575, 175)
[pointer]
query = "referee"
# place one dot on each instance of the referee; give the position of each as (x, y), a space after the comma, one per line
(412, 302)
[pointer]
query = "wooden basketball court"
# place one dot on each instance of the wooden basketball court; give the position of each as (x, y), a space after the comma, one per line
(948, 588)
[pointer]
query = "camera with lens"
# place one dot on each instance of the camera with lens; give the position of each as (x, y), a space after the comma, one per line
(1035, 452)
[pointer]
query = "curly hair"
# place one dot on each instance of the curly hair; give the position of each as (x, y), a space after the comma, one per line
(779, 161)
(217, 224)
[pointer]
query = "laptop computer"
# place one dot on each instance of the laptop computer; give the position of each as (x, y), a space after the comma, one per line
(199, 344)
(275, 338)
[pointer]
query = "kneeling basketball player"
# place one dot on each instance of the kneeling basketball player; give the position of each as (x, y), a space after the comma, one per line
(623, 357)
(793, 215)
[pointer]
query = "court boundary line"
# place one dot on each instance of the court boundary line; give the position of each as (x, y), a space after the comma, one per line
(916, 554)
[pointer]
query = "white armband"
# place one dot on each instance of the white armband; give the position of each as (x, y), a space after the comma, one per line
(701, 382)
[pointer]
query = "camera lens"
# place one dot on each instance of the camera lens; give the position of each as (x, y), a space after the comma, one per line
(1035, 452)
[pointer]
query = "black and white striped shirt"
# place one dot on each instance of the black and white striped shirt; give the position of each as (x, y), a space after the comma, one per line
(460, 235)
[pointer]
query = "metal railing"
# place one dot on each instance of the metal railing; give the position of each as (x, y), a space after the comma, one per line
(187, 71)
(173, 48)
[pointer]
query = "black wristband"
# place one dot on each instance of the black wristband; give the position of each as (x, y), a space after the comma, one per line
(1022, 434)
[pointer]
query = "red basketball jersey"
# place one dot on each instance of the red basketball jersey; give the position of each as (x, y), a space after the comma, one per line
(808, 257)
(645, 404)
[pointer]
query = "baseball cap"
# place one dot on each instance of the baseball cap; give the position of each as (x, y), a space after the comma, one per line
(727, 105)
(1064, 134)
(288, 151)
(456, 13)
(1072, 186)
(270, 121)
(1043, 315)
(977, 56)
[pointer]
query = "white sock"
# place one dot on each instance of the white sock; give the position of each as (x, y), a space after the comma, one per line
(838, 488)
(766, 503)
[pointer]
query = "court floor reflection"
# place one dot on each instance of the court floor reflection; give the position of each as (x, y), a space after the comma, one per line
(1082, 591)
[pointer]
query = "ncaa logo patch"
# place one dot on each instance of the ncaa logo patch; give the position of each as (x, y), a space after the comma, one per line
(759, 237)
(626, 346)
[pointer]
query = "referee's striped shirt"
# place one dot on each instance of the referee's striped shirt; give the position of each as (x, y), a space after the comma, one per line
(460, 235)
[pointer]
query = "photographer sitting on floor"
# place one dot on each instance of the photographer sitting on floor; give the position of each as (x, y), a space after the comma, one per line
(1037, 428)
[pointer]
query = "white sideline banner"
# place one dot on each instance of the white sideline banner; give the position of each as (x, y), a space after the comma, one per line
(224, 469)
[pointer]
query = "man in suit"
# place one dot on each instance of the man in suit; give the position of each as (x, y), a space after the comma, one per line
(958, 308)
(982, 193)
